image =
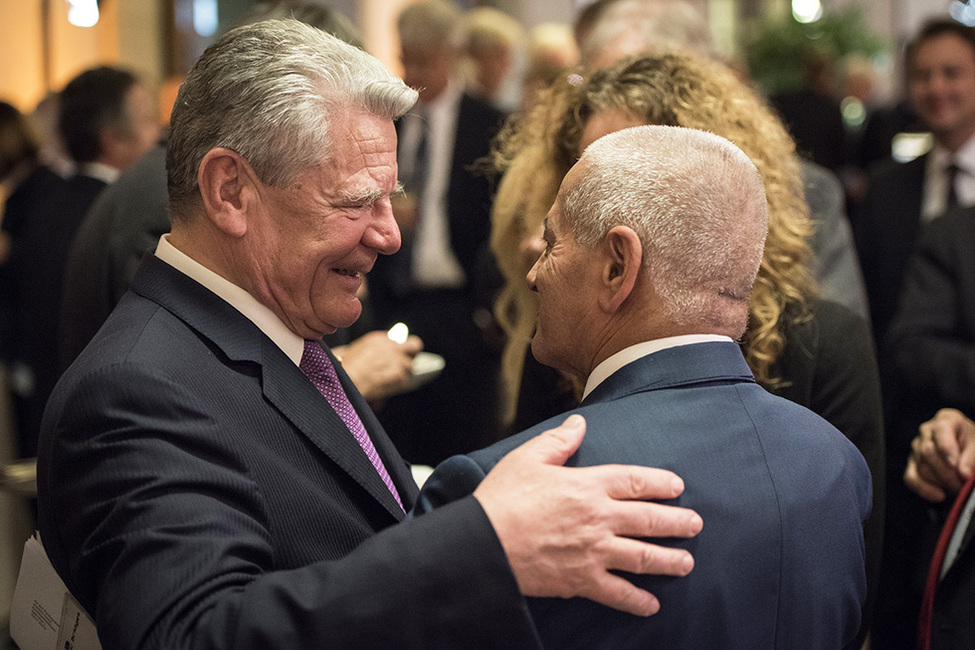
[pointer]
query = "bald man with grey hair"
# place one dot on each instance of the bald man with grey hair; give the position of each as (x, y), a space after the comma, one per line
(650, 252)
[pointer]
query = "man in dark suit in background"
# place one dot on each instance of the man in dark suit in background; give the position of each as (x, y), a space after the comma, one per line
(652, 247)
(932, 350)
(902, 196)
(941, 468)
(107, 120)
(209, 476)
(901, 199)
(434, 282)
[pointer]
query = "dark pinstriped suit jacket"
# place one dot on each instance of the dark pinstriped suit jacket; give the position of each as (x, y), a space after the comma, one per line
(196, 490)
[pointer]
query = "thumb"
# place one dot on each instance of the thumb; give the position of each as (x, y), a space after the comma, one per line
(555, 446)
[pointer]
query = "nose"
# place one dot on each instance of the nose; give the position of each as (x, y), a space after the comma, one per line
(383, 234)
(531, 249)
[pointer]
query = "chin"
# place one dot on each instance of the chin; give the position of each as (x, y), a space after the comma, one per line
(345, 317)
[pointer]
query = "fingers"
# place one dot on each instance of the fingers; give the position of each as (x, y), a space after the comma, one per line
(924, 489)
(634, 482)
(933, 463)
(637, 556)
(966, 460)
(943, 432)
(412, 345)
(645, 519)
(619, 593)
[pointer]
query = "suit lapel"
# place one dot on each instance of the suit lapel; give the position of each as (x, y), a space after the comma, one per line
(283, 384)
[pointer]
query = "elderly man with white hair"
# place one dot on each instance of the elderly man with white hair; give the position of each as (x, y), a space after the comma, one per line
(650, 252)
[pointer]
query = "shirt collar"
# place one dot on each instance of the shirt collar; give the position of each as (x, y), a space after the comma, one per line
(101, 171)
(964, 158)
(628, 355)
(265, 319)
(444, 102)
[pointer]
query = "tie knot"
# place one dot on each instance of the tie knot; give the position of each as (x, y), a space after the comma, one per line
(315, 362)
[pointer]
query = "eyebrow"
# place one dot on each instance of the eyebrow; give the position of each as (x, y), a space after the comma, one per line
(368, 196)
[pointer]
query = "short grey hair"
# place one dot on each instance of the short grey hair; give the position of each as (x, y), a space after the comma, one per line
(267, 91)
(696, 202)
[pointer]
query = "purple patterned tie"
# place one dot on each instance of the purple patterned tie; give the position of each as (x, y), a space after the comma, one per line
(319, 369)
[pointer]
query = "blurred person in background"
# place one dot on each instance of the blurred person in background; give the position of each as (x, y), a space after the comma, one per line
(436, 282)
(624, 27)
(494, 56)
(551, 51)
(902, 198)
(107, 121)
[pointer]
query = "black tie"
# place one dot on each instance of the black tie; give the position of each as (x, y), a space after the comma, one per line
(951, 200)
(418, 174)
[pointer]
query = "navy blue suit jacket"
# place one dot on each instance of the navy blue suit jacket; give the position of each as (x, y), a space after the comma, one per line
(783, 494)
(196, 490)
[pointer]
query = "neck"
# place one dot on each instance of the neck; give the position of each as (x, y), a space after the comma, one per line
(953, 142)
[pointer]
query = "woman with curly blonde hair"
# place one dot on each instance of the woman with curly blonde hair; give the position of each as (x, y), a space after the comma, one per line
(814, 352)
(673, 89)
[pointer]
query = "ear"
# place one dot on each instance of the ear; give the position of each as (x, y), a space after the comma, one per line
(622, 255)
(228, 186)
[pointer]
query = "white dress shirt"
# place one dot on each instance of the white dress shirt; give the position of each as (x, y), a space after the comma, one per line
(628, 355)
(936, 179)
(434, 263)
(265, 319)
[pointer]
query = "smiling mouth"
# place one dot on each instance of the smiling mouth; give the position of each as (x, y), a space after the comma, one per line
(348, 273)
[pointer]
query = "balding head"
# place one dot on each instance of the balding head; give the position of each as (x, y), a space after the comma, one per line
(698, 206)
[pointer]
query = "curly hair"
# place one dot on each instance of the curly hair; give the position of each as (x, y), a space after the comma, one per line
(667, 88)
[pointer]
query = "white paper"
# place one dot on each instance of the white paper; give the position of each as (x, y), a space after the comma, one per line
(44, 615)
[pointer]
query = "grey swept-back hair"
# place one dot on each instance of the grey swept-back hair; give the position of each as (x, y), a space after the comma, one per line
(267, 91)
(696, 202)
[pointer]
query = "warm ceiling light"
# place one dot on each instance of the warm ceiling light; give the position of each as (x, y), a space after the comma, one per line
(83, 13)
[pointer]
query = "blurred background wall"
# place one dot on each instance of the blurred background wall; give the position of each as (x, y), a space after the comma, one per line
(40, 49)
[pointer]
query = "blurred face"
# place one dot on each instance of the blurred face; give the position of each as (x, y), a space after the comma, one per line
(600, 124)
(143, 131)
(564, 276)
(312, 242)
(942, 82)
(491, 68)
(604, 123)
(427, 68)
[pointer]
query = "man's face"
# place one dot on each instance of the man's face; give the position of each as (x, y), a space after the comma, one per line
(427, 68)
(143, 128)
(312, 242)
(564, 276)
(942, 81)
